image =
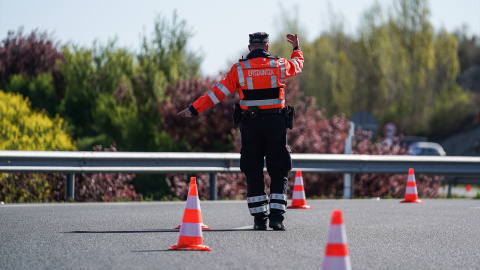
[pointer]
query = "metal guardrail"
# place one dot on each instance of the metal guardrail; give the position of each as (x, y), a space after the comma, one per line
(127, 162)
(169, 162)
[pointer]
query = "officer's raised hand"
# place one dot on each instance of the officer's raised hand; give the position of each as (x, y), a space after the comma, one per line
(185, 113)
(293, 39)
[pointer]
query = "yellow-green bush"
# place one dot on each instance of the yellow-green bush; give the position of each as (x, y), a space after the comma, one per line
(21, 128)
(24, 188)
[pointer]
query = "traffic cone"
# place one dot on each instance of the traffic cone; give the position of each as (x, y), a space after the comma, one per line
(336, 253)
(191, 237)
(298, 196)
(411, 195)
(193, 185)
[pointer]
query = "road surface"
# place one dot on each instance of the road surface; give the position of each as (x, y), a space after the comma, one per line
(381, 234)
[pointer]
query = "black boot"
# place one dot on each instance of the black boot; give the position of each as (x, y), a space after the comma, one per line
(260, 223)
(276, 225)
(276, 222)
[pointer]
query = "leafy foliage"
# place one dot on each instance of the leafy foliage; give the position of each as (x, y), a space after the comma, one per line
(119, 93)
(468, 49)
(24, 129)
(90, 74)
(29, 65)
(31, 55)
(39, 90)
(93, 187)
(312, 133)
(105, 187)
(229, 186)
(211, 130)
(22, 188)
(386, 185)
(395, 67)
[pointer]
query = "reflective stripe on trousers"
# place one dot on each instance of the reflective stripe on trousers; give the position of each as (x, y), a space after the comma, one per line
(258, 204)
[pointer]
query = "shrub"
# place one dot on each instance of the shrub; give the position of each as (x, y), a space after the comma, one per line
(92, 187)
(28, 55)
(24, 129)
(388, 185)
(105, 187)
(211, 131)
(23, 188)
(312, 133)
(39, 90)
(229, 186)
(29, 65)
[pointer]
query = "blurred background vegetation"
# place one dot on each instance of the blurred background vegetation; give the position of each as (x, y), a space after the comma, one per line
(57, 96)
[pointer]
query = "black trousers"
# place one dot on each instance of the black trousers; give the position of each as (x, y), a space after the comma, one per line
(266, 137)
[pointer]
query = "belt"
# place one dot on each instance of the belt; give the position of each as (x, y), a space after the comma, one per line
(253, 114)
(271, 111)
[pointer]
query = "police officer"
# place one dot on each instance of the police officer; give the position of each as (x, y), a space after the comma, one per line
(260, 80)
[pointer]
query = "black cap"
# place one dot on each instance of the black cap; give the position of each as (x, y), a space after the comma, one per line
(259, 37)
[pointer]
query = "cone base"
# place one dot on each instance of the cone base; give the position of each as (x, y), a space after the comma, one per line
(415, 201)
(204, 227)
(190, 248)
(299, 207)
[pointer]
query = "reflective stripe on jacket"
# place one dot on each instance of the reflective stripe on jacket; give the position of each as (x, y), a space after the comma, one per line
(260, 81)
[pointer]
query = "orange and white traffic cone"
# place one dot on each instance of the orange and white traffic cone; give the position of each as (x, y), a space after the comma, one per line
(191, 237)
(299, 200)
(411, 195)
(336, 253)
(193, 185)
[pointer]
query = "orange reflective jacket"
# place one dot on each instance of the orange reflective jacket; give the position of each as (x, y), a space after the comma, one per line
(260, 81)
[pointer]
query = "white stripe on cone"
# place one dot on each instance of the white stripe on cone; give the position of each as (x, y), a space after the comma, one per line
(298, 181)
(193, 203)
(191, 229)
(337, 234)
(298, 195)
(411, 190)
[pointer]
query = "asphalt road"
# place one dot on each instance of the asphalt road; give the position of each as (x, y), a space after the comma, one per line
(384, 234)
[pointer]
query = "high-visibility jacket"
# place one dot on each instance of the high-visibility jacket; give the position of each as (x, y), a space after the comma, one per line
(260, 80)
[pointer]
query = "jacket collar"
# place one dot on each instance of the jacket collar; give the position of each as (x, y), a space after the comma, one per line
(258, 53)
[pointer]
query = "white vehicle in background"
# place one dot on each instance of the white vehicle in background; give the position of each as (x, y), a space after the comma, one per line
(426, 149)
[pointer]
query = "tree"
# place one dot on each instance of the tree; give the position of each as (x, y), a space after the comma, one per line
(89, 74)
(380, 65)
(397, 68)
(30, 65)
(468, 49)
(31, 56)
(329, 76)
(328, 73)
(112, 94)
(452, 103)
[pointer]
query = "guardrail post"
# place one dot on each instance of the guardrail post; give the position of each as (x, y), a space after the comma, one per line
(450, 184)
(347, 186)
(213, 186)
(70, 187)
(347, 177)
